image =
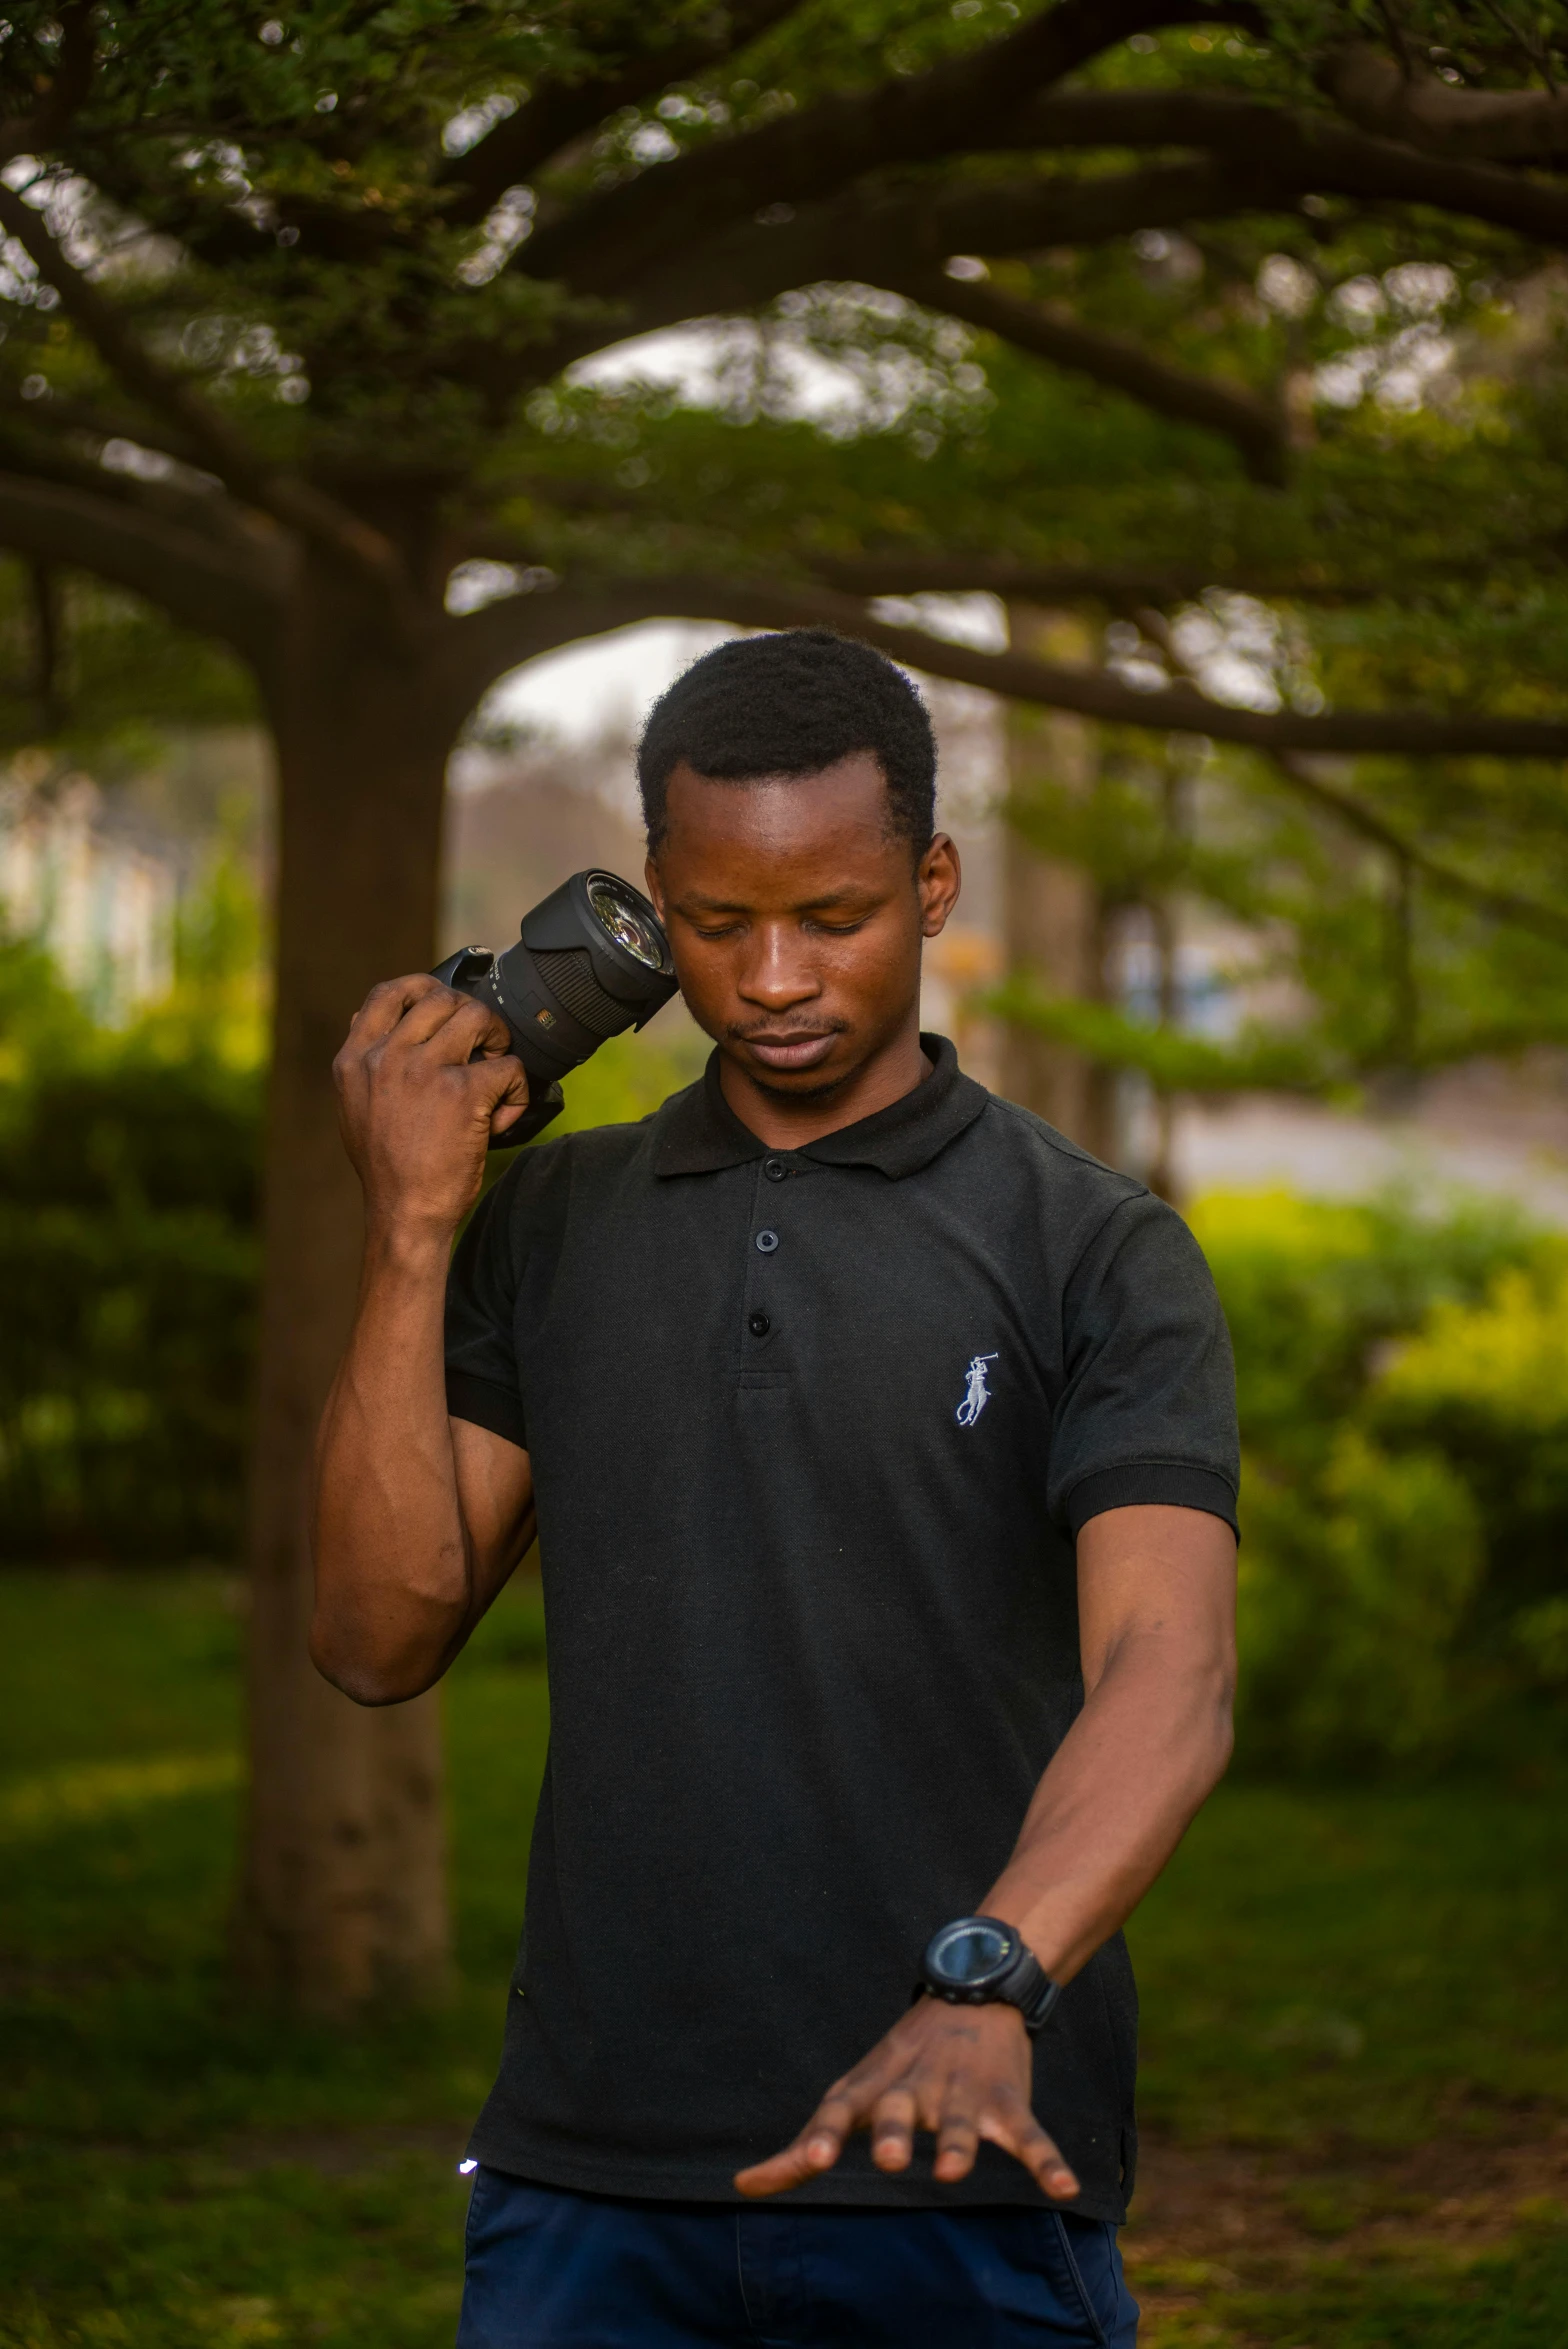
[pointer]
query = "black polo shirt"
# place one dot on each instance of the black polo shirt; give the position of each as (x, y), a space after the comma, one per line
(812, 1432)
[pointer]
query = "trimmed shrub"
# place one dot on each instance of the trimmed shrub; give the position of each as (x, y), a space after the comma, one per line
(1404, 1415)
(128, 1262)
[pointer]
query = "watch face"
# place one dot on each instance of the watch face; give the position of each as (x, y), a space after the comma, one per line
(971, 1953)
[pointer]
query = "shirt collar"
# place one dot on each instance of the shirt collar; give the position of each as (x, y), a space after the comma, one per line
(697, 1132)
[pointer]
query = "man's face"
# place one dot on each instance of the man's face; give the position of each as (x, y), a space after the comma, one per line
(796, 918)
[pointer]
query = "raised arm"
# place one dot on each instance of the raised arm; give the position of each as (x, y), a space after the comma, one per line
(418, 1518)
(1156, 1605)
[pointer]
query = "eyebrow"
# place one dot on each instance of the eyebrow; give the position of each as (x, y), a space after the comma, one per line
(695, 901)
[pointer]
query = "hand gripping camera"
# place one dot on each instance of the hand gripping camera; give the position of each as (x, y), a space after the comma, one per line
(591, 961)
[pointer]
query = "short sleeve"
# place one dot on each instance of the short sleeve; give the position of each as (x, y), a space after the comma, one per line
(481, 1297)
(1148, 1410)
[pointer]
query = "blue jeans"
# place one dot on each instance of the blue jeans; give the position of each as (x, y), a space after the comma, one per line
(547, 2269)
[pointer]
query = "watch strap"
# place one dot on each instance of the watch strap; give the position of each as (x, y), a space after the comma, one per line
(1029, 1987)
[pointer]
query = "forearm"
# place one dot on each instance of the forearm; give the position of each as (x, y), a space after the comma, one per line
(1149, 1746)
(394, 1572)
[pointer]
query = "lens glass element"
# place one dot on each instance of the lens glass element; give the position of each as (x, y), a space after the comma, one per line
(625, 921)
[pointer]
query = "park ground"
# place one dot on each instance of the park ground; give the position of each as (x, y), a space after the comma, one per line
(1355, 2068)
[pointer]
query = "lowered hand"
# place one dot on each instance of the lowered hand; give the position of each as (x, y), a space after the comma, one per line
(961, 2072)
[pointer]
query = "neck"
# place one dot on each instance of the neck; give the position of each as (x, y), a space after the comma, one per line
(787, 1122)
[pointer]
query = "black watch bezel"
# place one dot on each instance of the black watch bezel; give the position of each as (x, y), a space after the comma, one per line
(1015, 1977)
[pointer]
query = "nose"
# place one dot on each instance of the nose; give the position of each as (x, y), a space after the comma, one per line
(777, 973)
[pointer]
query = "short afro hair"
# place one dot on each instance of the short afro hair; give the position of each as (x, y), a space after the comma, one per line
(792, 704)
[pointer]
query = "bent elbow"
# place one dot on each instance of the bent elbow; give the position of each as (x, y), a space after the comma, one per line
(365, 1680)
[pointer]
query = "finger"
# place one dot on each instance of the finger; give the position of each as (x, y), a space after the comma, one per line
(481, 1029)
(386, 1003)
(457, 1020)
(816, 2149)
(892, 2129)
(806, 2158)
(958, 2138)
(1008, 2122)
(477, 1025)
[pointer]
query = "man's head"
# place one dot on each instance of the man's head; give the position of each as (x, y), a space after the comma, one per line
(789, 788)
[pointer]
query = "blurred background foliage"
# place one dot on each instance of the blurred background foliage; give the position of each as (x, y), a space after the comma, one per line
(1404, 1506)
(129, 1247)
(1404, 1403)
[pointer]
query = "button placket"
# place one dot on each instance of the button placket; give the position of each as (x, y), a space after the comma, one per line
(762, 1245)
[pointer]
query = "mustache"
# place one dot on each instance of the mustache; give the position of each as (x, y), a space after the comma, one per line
(764, 1032)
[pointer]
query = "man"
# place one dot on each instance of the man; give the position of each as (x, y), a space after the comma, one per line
(881, 1446)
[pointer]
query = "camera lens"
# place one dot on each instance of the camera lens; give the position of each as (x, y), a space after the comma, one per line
(625, 922)
(590, 961)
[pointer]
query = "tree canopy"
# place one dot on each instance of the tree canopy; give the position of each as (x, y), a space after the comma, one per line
(336, 262)
(1116, 304)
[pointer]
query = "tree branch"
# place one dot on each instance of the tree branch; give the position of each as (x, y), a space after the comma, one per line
(876, 239)
(61, 412)
(1524, 913)
(1505, 125)
(1295, 153)
(1259, 158)
(894, 571)
(196, 583)
(1409, 856)
(502, 634)
(801, 158)
(1262, 158)
(905, 571)
(332, 527)
(558, 112)
(198, 505)
(1050, 332)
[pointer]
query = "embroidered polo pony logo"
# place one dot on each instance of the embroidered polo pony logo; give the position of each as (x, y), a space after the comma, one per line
(976, 1393)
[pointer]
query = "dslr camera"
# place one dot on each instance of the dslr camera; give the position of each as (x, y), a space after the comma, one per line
(591, 960)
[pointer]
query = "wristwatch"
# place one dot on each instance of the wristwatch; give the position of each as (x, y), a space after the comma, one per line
(977, 1961)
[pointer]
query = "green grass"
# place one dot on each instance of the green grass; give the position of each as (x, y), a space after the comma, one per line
(1373, 1966)
(1512, 2300)
(1333, 1978)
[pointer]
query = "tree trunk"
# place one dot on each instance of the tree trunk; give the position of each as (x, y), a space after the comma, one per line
(1053, 919)
(342, 1896)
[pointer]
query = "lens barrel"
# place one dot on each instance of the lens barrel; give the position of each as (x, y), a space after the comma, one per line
(591, 960)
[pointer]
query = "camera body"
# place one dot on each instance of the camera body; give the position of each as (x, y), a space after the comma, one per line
(591, 960)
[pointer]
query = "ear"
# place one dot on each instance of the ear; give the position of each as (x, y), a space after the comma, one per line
(650, 874)
(938, 880)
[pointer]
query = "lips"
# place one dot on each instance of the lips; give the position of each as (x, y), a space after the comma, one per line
(798, 1050)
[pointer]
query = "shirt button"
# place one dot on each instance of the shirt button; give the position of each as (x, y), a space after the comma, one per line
(759, 1325)
(774, 1169)
(767, 1242)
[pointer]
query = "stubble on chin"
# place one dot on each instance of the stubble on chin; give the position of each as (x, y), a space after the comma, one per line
(777, 1092)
